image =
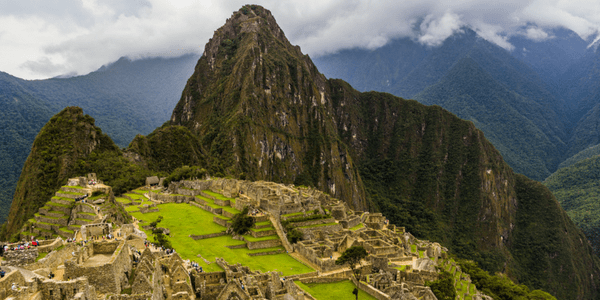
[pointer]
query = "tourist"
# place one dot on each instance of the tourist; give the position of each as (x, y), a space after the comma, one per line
(2, 273)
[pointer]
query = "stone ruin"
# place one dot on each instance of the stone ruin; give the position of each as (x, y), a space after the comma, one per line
(104, 264)
(397, 266)
(239, 282)
(277, 199)
(101, 270)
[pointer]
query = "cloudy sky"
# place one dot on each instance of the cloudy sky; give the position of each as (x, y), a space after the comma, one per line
(46, 38)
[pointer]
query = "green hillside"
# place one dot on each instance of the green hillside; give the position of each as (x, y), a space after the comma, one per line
(577, 188)
(69, 144)
(145, 91)
(584, 154)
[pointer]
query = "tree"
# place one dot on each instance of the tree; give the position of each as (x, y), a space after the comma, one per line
(443, 288)
(159, 237)
(242, 222)
(352, 256)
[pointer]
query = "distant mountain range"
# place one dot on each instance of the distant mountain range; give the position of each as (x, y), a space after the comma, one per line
(126, 98)
(535, 103)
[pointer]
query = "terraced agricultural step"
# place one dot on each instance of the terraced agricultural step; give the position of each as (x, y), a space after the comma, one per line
(257, 233)
(68, 194)
(72, 189)
(124, 201)
(74, 227)
(66, 232)
(43, 210)
(52, 206)
(55, 214)
(63, 200)
(80, 221)
(46, 219)
(44, 233)
(263, 242)
(262, 225)
(87, 216)
(46, 226)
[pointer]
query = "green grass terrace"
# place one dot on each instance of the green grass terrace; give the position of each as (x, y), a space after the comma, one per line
(211, 203)
(334, 291)
(185, 219)
(218, 196)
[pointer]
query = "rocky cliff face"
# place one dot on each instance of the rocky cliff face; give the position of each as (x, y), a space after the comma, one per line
(263, 110)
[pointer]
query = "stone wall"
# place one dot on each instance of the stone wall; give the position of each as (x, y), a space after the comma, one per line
(129, 297)
(54, 259)
(222, 202)
(308, 232)
(263, 244)
(308, 253)
(266, 253)
(258, 219)
(83, 207)
(206, 236)
(7, 281)
(221, 222)
(47, 246)
(105, 248)
(187, 191)
(170, 197)
(98, 229)
(258, 234)
(20, 257)
(322, 279)
(313, 222)
(350, 222)
(106, 278)
(370, 290)
(58, 290)
(149, 209)
(228, 214)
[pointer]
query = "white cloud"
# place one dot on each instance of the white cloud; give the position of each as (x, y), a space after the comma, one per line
(40, 38)
(434, 31)
(536, 34)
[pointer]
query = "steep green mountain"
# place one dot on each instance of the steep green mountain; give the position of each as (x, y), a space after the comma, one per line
(261, 109)
(427, 74)
(145, 90)
(584, 154)
(577, 188)
(256, 108)
(68, 145)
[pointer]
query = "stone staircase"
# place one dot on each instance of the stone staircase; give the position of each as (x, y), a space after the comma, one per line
(279, 229)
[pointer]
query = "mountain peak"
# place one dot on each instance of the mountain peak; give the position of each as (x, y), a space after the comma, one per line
(249, 19)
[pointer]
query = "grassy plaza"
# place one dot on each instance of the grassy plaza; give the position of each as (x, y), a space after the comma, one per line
(184, 220)
(333, 291)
